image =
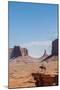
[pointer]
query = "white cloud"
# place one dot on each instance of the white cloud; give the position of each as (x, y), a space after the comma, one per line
(37, 43)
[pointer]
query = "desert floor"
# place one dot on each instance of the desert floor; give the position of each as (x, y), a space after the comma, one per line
(22, 74)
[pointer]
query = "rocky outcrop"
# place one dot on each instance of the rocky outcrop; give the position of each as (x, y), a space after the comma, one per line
(24, 51)
(45, 55)
(17, 51)
(55, 47)
(54, 51)
(45, 80)
(9, 52)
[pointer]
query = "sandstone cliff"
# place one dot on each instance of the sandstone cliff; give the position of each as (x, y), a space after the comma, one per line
(17, 51)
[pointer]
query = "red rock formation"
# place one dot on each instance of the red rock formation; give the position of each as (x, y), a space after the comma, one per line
(45, 55)
(24, 51)
(17, 51)
(45, 80)
(55, 47)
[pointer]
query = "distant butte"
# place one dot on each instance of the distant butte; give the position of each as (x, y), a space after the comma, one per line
(17, 51)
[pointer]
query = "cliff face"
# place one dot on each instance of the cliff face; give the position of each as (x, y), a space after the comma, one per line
(17, 51)
(9, 52)
(24, 51)
(55, 47)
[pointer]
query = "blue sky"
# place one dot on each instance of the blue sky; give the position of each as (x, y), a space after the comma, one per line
(33, 26)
